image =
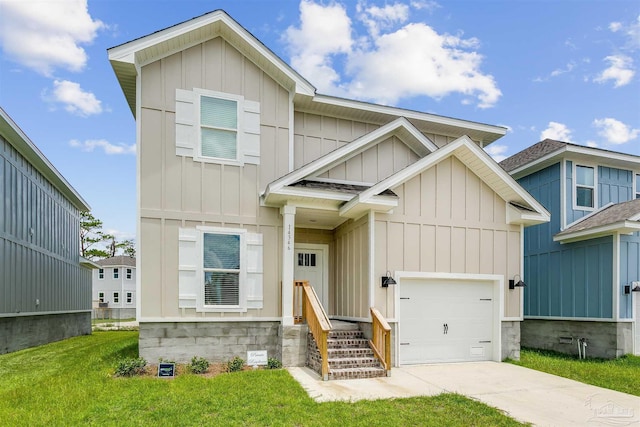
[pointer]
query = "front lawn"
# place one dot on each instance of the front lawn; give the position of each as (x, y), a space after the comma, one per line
(70, 383)
(621, 374)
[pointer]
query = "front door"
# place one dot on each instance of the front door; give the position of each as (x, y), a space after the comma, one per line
(310, 264)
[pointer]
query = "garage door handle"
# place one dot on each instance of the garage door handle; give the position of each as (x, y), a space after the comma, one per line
(484, 342)
(404, 298)
(485, 299)
(405, 343)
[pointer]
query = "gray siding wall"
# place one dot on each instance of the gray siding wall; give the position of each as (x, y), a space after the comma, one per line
(39, 243)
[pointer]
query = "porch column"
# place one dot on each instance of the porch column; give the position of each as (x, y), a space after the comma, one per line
(288, 234)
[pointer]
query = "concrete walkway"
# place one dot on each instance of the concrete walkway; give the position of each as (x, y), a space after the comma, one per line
(524, 394)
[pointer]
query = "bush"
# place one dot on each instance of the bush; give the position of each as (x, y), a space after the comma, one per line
(236, 364)
(130, 367)
(273, 363)
(199, 365)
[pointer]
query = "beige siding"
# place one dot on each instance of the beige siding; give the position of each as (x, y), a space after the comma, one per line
(177, 192)
(351, 273)
(447, 221)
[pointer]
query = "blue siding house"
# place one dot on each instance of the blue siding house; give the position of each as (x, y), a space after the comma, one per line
(45, 286)
(582, 269)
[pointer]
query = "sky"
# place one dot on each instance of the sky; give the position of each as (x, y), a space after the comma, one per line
(566, 70)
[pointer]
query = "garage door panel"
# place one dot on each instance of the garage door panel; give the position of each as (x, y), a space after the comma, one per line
(445, 321)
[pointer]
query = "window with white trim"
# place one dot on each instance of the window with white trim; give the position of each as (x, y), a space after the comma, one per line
(100, 296)
(638, 186)
(219, 269)
(116, 297)
(101, 273)
(217, 127)
(584, 187)
(129, 297)
(116, 274)
(128, 274)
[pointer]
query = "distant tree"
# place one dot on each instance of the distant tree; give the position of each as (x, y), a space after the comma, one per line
(91, 234)
(127, 247)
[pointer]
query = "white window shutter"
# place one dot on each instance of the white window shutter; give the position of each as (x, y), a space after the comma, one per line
(188, 267)
(251, 132)
(186, 122)
(254, 270)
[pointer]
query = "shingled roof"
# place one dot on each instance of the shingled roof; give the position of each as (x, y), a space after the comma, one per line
(535, 152)
(614, 217)
(117, 261)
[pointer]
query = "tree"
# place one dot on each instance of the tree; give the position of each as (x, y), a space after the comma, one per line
(91, 234)
(126, 246)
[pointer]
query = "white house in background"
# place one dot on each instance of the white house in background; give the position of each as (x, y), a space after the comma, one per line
(114, 288)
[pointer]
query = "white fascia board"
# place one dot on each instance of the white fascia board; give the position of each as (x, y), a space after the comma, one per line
(525, 218)
(338, 155)
(623, 227)
(355, 208)
(21, 142)
(310, 194)
(384, 109)
(126, 52)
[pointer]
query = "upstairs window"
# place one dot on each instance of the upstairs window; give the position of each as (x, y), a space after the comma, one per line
(128, 274)
(221, 267)
(115, 273)
(585, 187)
(101, 273)
(218, 128)
(638, 186)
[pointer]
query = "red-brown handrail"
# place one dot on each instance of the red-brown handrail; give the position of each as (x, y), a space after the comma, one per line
(316, 318)
(381, 340)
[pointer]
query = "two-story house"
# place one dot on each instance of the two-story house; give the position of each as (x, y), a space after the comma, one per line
(114, 288)
(250, 182)
(45, 285)
(581, 269)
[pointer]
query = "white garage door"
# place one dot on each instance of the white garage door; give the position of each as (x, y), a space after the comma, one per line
(445, 321)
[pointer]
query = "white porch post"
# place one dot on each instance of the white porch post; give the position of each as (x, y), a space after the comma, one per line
(288, 234)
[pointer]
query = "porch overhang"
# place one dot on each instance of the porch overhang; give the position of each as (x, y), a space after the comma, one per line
(623, 227)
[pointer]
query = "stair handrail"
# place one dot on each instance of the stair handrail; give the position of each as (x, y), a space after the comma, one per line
(381, 339)
(318, 321)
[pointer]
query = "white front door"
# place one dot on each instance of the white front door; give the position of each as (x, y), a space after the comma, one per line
(310, 264)
(445, 321)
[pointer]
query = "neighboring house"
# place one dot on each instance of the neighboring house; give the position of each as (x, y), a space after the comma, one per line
(249, 180)
(581, 268)
(45, 286)
(114, 288)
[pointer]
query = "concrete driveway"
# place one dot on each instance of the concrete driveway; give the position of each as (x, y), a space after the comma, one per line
(522, 393)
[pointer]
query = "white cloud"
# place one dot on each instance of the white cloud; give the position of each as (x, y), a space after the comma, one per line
(497, 151)
(620, 70)
(74, 99)
(615, 26)
(631, 31)
(570, 66)
(385, 65)
(557, 131)
(44, 35)
(425, 5)
(614, 131)
(91, 144)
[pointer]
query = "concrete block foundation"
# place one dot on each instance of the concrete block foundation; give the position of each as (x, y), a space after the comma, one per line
(510, 340)
(606, 340)
(18, 333)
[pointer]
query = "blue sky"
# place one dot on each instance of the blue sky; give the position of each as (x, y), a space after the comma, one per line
(566, 70)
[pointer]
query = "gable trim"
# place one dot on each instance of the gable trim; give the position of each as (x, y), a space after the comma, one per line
(342, 154)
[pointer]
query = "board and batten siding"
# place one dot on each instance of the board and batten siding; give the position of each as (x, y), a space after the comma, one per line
(563, 280)
(448, 221)
(39, 243)
(629, 272)
(178, 192)
(351, 294)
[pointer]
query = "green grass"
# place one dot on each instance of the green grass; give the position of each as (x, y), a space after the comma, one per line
(70, 383)
(619, 374)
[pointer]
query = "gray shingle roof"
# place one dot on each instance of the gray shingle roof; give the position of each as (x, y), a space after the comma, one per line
(613, 214)
(339, 187)
(117, 260)
(531, 154)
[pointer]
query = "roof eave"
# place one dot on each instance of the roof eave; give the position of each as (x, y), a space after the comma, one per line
(622, 227)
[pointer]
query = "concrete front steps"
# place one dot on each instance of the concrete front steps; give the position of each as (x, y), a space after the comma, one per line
(349, 354)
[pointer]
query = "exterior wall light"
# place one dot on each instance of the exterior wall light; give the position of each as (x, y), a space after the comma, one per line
(387, 280)
(516, 284)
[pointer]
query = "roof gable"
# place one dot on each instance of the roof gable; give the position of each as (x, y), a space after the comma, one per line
(128, 57)
(400, 128)
(527, 209)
